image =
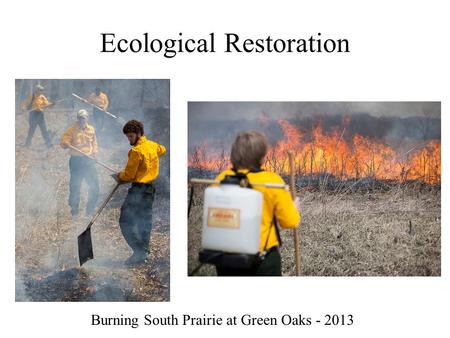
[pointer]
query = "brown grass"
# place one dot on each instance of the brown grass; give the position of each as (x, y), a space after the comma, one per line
(389, 233)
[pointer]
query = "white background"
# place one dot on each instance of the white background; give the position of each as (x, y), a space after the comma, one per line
(399, 51)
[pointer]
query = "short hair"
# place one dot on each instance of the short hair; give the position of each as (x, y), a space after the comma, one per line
(248, 150)
(133, 126)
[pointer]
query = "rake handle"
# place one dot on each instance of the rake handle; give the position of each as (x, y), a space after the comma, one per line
(296, 236)
(266, 185)
(92, 158)
(94, 105)
(105, 202)
(45, 107)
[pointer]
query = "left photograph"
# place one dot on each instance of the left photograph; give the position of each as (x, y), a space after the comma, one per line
(92, 190)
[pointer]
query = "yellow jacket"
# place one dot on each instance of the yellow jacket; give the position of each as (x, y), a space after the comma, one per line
(143, 162)
(83, 139)
(101, 100)
(38, 104)
(277, 202)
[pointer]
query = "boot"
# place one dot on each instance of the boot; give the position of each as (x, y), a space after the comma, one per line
(137, 259)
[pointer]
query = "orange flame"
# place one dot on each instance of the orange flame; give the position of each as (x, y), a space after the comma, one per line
(321, 153)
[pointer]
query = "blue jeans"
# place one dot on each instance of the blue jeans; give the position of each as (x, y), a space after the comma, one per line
(83, 168)
(35, 119)
(136, 217)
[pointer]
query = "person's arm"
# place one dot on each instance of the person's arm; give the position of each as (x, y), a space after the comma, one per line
(129, 173)
(285, 211)
(94, 145)
(66, 139)
(160, 150)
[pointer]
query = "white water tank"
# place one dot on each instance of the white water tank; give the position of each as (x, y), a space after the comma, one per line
(232, 219)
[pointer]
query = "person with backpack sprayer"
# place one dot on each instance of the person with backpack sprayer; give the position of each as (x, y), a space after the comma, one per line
(247, 156)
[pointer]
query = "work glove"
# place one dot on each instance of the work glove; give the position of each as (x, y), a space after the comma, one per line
(117, 178)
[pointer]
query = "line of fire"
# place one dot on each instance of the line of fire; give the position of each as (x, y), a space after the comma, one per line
(336, 154)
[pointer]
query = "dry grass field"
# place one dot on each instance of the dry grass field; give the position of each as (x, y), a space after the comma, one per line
(394, 232)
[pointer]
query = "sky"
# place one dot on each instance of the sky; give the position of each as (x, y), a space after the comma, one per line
(252, 110)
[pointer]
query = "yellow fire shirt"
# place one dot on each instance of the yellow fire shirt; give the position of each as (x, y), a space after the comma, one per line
(83, 139)
(38, 104)
(143, 162)
(101, 100)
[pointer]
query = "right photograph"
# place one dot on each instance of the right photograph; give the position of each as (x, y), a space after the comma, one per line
(314, 188)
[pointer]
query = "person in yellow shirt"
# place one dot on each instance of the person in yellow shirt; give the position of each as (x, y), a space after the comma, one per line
(100, 99)
(142, 169)
(36, 103)
(247, 156)
(82, 136)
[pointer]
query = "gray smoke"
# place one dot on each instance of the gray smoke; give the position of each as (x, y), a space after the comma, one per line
(217, 123)
(288, 110)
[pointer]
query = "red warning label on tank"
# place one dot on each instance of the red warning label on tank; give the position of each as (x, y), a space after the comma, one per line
(224, 218)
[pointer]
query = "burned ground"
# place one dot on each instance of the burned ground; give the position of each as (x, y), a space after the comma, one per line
(47, 267)
(394, 231)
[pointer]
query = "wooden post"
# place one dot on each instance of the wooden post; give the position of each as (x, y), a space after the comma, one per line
(295, 231)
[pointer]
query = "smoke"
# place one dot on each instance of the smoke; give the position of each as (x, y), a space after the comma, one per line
(36, 203)
(46, 234)
(253, 110)
(217, 123)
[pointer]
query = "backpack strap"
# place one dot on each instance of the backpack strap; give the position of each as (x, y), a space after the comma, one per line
(254, 170)
(238, 178)
(274, 223)
(277, 229)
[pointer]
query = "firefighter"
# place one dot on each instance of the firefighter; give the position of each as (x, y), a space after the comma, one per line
(36, 103)
(142, 169)
(82, 136)
(247, 156)
(100, 99)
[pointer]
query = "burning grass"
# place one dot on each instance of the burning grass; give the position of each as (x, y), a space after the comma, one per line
(378, 232)
(47, 267)
(337, 154)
